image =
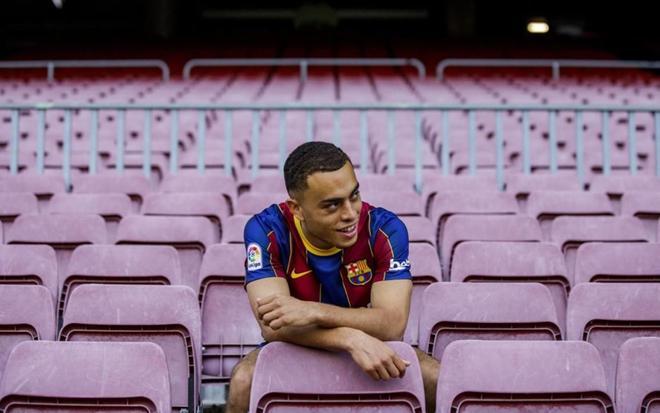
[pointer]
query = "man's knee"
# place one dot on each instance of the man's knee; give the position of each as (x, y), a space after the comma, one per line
(241, 375)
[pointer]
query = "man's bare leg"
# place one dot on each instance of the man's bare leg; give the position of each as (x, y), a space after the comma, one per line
(240, 384)
(430, 369)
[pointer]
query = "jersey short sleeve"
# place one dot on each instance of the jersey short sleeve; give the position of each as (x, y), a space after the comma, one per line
(390, 244)
(262, 250)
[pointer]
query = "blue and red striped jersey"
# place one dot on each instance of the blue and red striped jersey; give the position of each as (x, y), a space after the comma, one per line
(277, 247)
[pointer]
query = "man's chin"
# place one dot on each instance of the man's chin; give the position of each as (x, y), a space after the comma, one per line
(346, 243)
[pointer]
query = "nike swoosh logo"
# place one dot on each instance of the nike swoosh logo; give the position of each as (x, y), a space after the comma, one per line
(295, 274)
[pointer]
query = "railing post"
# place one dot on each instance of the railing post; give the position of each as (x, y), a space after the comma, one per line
(606, 142)
(632, 143)
(391, 143)
(283, 143)
(51, 72)
(303, 70)
(555, 70)
(94, 141)
(174, 141)
(553, 141)
(229, 142)
(336, 128)
(146, 149)
(418, 151)
(527, 164)
(41, 126)
(657, 143)
(15, 138)
(309, 136)
(499, 151)
(472, 144)
(364, 144)
(201, 140)
(121, 131)
(255, 143)
(66, 149)
(579, 147)
(446, 142)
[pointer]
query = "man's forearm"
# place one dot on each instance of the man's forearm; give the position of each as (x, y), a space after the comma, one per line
(377, 322)
(333, 339)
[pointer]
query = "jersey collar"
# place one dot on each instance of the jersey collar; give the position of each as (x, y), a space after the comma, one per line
(309, 246)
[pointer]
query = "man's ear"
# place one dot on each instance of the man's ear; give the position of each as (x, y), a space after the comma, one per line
(294, 207)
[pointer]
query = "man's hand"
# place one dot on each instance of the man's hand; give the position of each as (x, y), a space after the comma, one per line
(278, 310)
(376, 358)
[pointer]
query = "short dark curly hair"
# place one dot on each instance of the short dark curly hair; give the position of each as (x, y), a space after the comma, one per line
(308, 158)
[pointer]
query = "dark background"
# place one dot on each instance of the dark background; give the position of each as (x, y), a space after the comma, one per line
(179, 29)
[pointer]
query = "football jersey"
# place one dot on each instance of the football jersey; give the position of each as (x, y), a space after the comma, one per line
(277, 247)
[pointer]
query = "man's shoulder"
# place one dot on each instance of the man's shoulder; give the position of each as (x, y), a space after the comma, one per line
(384, 220)
(266, 221)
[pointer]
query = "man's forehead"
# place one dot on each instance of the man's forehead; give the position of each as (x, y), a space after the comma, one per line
(329, 184)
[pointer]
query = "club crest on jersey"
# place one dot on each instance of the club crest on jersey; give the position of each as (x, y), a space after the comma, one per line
(254, 261)
(358, 272)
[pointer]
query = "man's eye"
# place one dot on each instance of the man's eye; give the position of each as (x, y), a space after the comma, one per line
(355, 195)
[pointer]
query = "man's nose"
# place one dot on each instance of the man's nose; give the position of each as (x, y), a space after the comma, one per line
(348, 213)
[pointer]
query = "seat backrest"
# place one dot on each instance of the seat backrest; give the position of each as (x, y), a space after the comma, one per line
(645, 206)
(208, 182)
(419, 229)
(520, 376)
(438, 184)
(29, 264)
(461, 228)
(232, 231)
(13, 204)
(27, 314)
(189, 235)
(135, 186)
(64, 233)
(569, 232)
(119, 264)
(546, 205)
(503, 311)
(637, 372)
(230, 329)
(620, 262)
(289, 377)
(54, 376)
(607, 314)
(253, 203)
(166, 315)
(404, 203)
(616, 185)
(42, 186)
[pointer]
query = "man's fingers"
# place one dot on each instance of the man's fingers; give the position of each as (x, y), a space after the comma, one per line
(401, 365)
(392, 369)
(382, 372)
(267, 299)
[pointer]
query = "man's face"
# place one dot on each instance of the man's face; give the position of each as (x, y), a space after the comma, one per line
(329, 208)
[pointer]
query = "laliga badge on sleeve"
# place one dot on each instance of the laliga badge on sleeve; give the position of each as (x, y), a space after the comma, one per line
(254, 260)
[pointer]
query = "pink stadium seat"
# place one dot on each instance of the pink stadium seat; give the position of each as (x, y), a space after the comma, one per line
(135, 186)
(545, 206)
(569, 233)
(476, 311)
(133, 164)
(111, 207)
(56, 377)
(233, 230)
(540, 262)
(165, 315)
(253, 203)
(419, 229)
(119, 264)
(229, 328)
(27, 314)
(293, 378)
(439, 184)
(185, 181)
(637, 372)
(447, 204)
(608, 314)
(522, 376)
(64, 233)
(617, 262)
(208, 205)
(645, 206)
(520, 185)
(462, 228)
(29, 264)
(426, 270)
(42, 186)
(392, 201)
(15, 204)
(191, 236)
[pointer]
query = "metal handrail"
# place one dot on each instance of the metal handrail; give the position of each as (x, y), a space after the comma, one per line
(388, 108)
(303, 64)
(555, 64)
(51, 65)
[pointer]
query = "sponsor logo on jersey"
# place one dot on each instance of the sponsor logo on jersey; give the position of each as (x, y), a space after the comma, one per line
(358, 272)
(399, 265)
(254, 257)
